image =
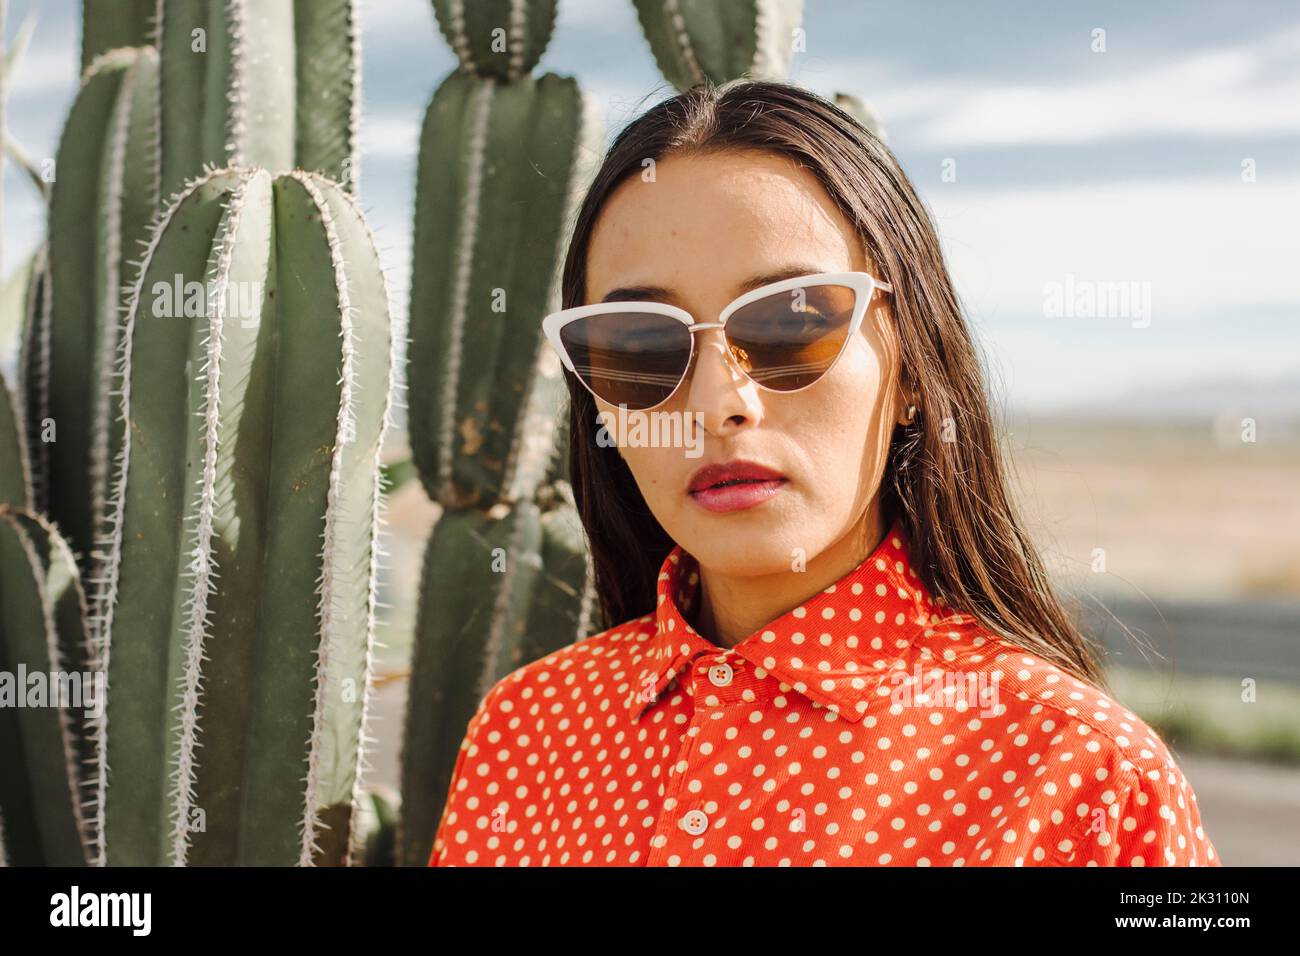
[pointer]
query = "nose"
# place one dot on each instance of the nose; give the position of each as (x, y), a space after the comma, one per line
(719, 390)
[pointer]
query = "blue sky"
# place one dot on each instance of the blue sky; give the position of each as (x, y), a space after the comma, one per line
(1115, 166)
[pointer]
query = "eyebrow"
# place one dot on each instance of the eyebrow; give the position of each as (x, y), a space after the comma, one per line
(658, 293)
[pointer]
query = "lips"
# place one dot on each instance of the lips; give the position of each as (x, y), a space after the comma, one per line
(733, 485)
(730, 472)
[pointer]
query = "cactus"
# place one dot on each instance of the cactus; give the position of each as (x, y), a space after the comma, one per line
(271, 83)
(498, 589)
(15, 472)
(498, 38)
(499, 167)
(863, 112)
(238, 599)
(719, 40)
(109, 24)
(45, 742)
(563, 605)
(504, 157)
(105, 194)
(379, 808)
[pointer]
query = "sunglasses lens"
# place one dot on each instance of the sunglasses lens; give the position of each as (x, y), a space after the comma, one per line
(789, 339)
(629, 358)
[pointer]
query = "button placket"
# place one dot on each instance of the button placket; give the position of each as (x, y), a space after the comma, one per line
(679, 808)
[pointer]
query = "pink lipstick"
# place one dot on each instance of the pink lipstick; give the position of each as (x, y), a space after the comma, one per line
(734, 485)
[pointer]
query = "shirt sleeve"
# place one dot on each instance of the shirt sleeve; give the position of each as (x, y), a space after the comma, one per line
(453, 807)
(1152, 819)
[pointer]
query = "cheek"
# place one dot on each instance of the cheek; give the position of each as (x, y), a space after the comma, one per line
(838, 416)
(660, 473)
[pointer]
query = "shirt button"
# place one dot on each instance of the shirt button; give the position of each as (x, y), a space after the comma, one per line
(720, 675)
(695, 822)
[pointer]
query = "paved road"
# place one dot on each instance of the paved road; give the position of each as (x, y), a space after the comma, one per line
(1259, 639)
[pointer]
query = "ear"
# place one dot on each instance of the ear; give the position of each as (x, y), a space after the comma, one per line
(906, 403)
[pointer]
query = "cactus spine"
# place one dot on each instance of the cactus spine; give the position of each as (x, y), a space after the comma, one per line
(503, 158)
(248, 604)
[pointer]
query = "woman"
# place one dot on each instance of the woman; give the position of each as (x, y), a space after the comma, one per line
(835, 642)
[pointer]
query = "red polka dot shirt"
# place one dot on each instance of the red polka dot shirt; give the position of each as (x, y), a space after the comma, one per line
(870, 725)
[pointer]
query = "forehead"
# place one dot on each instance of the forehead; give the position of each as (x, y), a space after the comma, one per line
(705, 222)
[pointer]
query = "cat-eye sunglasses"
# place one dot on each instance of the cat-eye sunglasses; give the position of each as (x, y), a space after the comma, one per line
(784, 336)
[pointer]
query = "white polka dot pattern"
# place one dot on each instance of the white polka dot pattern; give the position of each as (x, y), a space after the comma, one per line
(869, 726)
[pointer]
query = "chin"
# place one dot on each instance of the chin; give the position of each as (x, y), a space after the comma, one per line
(738, 544)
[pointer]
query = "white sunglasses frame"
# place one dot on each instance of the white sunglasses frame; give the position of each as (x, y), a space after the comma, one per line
(863, 284)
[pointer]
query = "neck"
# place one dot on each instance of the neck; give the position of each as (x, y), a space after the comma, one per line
(731, 607)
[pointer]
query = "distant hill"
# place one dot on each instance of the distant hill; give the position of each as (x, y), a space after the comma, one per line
(1276, 399)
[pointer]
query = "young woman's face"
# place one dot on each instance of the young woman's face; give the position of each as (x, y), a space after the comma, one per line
(702, 228)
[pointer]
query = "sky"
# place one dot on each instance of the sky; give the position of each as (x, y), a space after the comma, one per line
(1074, 167)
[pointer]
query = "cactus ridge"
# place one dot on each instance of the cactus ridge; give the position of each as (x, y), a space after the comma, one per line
(107, 169)
(103, 602)
(15, 468)
(42, 626)
(330, 556)
(202, 569)
(34, 376)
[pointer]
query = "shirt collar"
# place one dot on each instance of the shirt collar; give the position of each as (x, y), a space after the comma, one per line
(835, 648)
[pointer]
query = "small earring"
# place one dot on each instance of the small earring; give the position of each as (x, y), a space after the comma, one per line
(911, 414)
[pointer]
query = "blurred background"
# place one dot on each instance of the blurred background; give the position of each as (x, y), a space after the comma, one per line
(1117, 188)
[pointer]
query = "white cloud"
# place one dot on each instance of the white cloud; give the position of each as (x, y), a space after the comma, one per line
(1205, 245)
(1219, 256)
(388, 135)
(1231, 91)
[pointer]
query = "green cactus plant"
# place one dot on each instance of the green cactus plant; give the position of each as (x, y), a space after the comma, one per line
(109, 24)
(499, 165)
(504, 157)
(105, 193)
(719, 40)
(33, 378)
(45, 650)
(238, 599)
(498, 38)
(379, 809)
(271, 83)
(498, 589)
(15, 471)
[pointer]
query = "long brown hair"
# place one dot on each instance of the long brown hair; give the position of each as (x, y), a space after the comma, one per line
(945, 478)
